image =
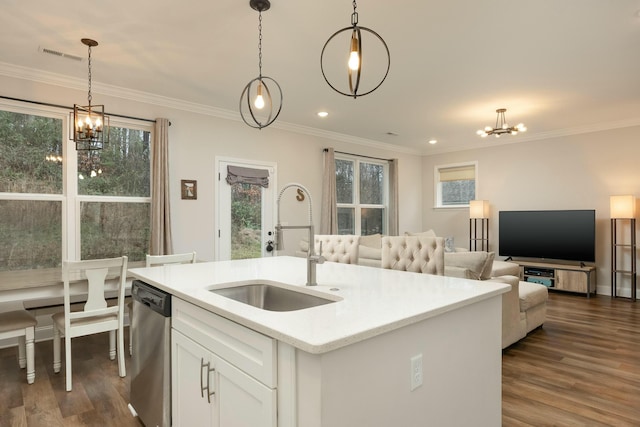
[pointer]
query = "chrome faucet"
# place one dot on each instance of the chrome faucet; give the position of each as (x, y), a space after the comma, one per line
(312, 258)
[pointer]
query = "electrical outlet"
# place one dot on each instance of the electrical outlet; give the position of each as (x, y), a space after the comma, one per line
(416, 371)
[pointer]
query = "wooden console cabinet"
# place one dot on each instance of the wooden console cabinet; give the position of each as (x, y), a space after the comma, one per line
(561, 277)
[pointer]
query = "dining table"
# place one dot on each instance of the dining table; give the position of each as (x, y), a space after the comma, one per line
(45, 287)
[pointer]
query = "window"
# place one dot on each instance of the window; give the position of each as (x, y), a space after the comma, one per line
(455, 184)
(362, 188)
(54, 206)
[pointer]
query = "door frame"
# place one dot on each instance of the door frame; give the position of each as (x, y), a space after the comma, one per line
(219, 178)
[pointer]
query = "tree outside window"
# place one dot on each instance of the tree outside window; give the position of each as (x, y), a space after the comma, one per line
(455, 184)
(48, 196)
(362, 188)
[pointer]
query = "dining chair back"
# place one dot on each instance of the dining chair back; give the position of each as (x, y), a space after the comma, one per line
(96, 316)
(185, 258)
(16, 322)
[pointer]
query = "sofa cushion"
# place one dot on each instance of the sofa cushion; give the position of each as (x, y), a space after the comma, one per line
(371, 241)
(532, 294)
(460, 272)
(478, 263)
(369, 252)
(505, 268)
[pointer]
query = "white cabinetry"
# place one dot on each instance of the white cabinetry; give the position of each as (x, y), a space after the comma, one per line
(223, 374)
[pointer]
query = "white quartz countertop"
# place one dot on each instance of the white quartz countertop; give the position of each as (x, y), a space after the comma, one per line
(370, 301)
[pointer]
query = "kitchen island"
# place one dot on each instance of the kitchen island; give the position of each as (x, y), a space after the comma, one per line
(393, 348)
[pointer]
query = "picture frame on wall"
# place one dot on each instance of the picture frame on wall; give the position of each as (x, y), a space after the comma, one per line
(189, 189)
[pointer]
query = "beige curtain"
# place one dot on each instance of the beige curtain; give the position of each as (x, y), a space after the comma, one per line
(161, 241)
(328, 212)
(393, 197)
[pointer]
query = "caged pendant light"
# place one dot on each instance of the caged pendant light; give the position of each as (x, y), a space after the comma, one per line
(262, 96)
(379, 59)
(90, 125)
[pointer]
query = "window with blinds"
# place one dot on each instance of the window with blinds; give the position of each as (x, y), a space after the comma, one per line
(455, 185)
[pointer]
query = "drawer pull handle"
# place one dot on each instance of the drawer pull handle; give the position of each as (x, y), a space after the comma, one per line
(209, 392)
(202, 386)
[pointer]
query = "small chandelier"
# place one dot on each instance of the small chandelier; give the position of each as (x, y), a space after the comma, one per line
(501, 126)
(262, 95)
(354, 61)
(89, 122)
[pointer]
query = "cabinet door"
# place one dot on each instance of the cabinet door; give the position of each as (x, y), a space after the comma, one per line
(189, 403)
(208, 391)
(242, 401)
(574, 281)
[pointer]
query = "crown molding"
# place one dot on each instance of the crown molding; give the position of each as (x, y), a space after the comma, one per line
(539, 136)
(46, 77)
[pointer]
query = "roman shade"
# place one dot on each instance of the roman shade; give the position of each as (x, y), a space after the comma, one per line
(237, 174)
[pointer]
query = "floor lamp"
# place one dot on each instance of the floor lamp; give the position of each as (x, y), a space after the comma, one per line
(623, 208)
(479, 212)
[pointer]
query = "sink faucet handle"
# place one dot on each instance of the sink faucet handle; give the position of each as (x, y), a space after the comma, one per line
(319, 259)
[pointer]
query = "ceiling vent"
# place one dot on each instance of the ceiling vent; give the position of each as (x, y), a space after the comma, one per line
(60, 54)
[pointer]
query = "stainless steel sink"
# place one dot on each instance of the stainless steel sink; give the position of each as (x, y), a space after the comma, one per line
(272, 298)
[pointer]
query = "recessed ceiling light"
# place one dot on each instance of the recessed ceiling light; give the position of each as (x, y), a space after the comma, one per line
(433, 141)
(322, 114)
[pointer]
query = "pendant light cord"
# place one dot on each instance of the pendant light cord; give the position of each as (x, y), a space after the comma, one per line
(354, 15)
(260, 43)
(89, 98)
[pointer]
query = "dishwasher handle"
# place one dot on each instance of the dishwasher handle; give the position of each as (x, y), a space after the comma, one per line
(151, 297)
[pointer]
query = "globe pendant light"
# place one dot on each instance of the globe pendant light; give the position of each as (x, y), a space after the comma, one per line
(378, 59)
(90, 129)
(262, 95)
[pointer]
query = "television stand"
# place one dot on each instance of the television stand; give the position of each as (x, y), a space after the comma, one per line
(560, 277)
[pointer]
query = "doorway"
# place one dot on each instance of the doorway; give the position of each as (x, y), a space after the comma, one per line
(246, 203)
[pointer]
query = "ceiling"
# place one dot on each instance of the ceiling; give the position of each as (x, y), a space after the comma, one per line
(560, 66)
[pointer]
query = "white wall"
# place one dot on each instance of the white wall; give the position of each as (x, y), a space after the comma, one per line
(197, 138)
(572, 172)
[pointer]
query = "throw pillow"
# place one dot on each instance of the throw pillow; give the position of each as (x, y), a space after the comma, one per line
(488, 266)
(448, 244)
(428, 233)
(475, 262)
(371, 241)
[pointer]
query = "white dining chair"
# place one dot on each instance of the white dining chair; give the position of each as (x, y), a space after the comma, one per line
(185, 258)
(15, 321)
(96, 316)
(158, 260)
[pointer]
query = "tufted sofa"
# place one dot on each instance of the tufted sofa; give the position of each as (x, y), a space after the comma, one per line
(523, 308)
(413, 253)
(338, 248)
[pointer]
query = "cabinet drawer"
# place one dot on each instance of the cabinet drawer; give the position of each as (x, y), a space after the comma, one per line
(248, 350)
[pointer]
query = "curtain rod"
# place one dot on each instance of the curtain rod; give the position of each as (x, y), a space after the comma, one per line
(358, 155)
(47, 104)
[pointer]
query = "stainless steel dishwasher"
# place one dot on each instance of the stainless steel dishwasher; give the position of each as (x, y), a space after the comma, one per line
(150, 392)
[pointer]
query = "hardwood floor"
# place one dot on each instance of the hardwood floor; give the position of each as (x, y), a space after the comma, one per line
(582, 368)
(99, 396)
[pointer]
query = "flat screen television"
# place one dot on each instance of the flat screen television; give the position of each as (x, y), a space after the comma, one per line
(558, 235)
